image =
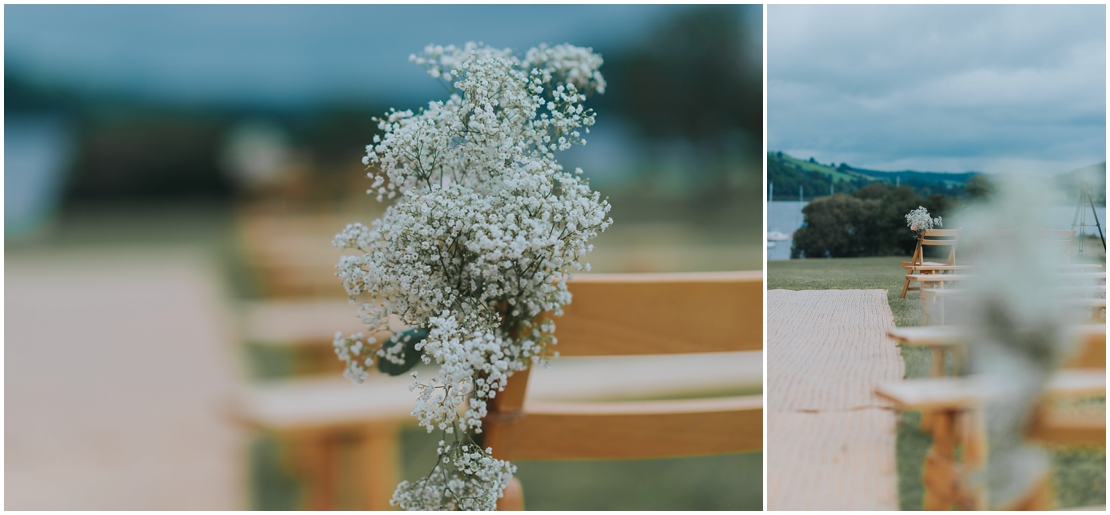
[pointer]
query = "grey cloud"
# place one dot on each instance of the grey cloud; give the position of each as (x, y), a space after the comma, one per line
(947, 88)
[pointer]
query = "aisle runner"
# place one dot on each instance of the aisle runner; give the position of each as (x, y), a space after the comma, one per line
(830, 441)
(119, 376)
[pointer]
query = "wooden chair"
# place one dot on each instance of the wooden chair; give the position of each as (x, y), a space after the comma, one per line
(638, 314)
(932, 238)
(957, 424)
(952, 412)
(1059, 238)
(289, 254)
(317, 417)
(315, 420)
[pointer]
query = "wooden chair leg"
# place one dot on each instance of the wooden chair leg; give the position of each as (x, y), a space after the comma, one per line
(905, 288)
(514, 497)
(938, 475)
(974, 458)
(936, 369)
(959, 361)
(315, 462)
(378, 465)
(1040, 498)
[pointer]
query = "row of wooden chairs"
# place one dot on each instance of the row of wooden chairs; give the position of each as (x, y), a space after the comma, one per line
(318, 416)
(952, 413)
(917, 267)
(952, 404)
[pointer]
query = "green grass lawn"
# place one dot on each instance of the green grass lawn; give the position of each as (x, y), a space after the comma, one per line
(723, 482)
(1079, 475)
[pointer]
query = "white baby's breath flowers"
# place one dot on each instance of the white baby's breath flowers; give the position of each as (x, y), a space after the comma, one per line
(485, 231)
(919, 221)
(487, 478)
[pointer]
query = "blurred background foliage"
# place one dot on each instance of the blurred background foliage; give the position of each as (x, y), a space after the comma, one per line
(867, 222)
(681, 120)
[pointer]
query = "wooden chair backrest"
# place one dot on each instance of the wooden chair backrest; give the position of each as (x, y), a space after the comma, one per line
(291, 255)
(634, 314)
(938, 237)
(1057, 237)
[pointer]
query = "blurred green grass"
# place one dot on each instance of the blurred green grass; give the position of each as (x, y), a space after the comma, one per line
(1079, 474)
(722, 482)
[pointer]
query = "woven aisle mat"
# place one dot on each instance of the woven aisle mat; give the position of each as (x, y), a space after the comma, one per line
(119, 379)
(830, 440)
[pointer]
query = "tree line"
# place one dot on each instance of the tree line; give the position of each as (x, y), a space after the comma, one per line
(867, 222)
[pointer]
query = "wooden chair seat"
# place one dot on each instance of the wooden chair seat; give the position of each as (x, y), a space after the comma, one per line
(939, 278)
(936, 267)
(1063, 268)
(932, 281)
(924, 264)
(321, 403)
(934, 305)
(1090, 353)
(313, 403)
(953, 393)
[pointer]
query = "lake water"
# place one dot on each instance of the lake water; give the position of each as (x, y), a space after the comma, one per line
(786, 216)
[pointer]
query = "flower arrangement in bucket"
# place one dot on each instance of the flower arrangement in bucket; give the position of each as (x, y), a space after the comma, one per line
(484, 231)
(919, 221)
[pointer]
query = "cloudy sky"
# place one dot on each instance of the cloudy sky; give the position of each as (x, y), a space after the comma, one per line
(940, 87)
(289, 53)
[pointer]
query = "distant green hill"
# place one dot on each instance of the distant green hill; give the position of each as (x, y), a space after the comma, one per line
(789, 173)
(948, 180)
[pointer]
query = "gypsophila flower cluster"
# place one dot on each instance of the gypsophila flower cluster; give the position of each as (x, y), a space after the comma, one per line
(485, 231)
(919, 221)
(446, 488)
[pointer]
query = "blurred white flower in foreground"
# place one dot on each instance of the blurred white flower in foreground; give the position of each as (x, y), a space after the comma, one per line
(1017, 320)
(485, 232)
